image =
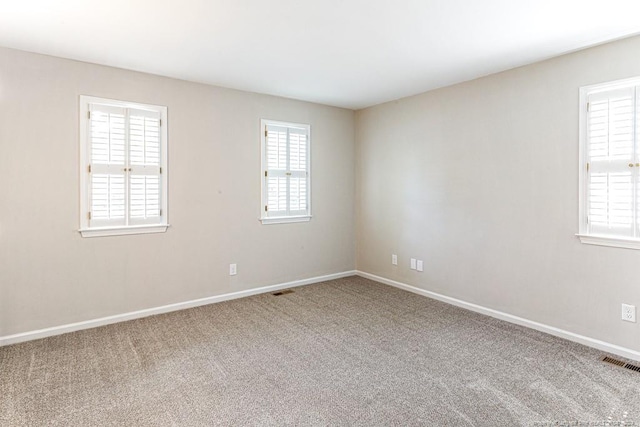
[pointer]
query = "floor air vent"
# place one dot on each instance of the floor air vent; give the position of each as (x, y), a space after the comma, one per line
(621, 363)
(286, 291)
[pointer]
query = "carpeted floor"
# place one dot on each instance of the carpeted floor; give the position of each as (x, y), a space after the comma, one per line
(344, 352)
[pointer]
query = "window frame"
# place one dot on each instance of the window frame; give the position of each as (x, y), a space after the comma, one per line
(584, 234)
(86, 230)
(282, 219)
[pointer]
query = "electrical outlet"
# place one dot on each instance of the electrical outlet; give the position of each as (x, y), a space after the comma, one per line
(233, 269)
(413, 263)
(394, 259)
(420, 265)
(629, 313)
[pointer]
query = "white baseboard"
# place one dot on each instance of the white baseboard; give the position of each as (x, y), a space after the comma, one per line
(87, 324)
(62, 329)
(581, 339)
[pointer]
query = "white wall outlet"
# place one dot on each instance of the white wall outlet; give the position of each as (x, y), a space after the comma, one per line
(233, 269)
(413, 263)
(420, 265)
(394, 259)
(629, 313)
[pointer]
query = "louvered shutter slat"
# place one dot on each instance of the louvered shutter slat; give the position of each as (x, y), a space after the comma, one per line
(144, 204)
(107, 140)
(298, 144)
(298, 195)
(276, 148)
(277, 195)
(108, 199)
(144, 138)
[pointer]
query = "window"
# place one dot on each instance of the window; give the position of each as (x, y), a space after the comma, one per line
(123, 167)
(286, 186)
(610, 164)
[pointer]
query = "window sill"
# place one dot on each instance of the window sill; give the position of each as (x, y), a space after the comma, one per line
(285, 219)
(121, 231)
(615, 242)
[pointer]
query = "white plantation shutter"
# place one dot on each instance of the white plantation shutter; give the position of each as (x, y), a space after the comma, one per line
(298, 166)
(144, 178)
(124, 149)
(107, 151)
(612, 180)
(276, 159)
(286, 170)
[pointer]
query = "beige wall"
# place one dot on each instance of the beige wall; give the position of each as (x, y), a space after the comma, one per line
(50, 276)
(480, 180)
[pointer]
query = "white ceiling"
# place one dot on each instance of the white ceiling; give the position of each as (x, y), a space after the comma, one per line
(347, 53)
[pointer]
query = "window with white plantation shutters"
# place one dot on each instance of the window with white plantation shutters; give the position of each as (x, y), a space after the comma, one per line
(285, 172)
(610, 164)
(123, 167)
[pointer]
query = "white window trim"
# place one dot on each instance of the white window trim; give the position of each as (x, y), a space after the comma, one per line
(121, 231)
(615, 242)
(285, 219)
(263, 187)
(85, 229)
(583, 234)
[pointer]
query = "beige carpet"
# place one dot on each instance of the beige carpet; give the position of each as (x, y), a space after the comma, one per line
(344, 352)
